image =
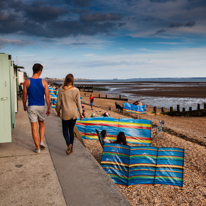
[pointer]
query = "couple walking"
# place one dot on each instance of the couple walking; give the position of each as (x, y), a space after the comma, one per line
(68, 101)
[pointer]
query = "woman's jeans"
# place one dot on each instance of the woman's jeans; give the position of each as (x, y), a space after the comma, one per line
(68, 130)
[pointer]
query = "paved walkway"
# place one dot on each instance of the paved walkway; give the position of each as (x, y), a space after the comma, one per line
(27, 178)
(82, 179)
(51, 177)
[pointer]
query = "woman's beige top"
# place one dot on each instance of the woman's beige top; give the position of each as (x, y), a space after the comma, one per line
(69, 102)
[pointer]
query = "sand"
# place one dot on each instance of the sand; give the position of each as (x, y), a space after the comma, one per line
(182, 132)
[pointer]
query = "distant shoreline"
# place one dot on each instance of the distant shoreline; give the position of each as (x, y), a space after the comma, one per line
(143, 80)
(159, 94)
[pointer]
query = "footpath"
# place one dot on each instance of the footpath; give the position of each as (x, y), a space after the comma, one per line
(52, 177)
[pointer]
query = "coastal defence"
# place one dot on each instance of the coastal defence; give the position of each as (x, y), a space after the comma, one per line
(191, 113)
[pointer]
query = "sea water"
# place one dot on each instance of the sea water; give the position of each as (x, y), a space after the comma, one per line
(124, 87)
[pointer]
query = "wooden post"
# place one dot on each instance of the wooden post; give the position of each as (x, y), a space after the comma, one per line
(120, 96)
(106, 96)
(110, 108)
(190, 109)
(155, 110)
(85, 94)
(204, 105)
(178, 108)
(171, 109)
(163, 109)
(99, 95)
(198, 106)
(183, 109)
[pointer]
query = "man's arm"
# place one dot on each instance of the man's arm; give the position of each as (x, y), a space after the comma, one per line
(46, 91)
(26, 84)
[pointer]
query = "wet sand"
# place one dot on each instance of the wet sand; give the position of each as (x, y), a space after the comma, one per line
(159, 89)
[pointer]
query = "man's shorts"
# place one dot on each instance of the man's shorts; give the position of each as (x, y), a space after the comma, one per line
(36, 113)
(91, 103)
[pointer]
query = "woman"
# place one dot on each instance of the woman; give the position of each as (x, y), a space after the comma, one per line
(121, 139)
(68, 101)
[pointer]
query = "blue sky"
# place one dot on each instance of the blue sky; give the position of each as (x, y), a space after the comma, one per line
(105, 39)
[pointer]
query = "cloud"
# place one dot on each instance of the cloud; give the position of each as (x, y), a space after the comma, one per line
(67, 18)
(89, 55)
(190, 23)
(160, 1)
(51, 21)
(98, 16)
(175, 24)
(38, 12)
(197, 3)
(4, 42)
(78, 44)
(160, 31)
(81, 3)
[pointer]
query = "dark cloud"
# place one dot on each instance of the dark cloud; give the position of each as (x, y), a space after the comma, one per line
(2, 4)
(121, 24)
(160, 1)
(197, 3)
(80, 11)
(55, 19)
(9, 23)
(58, 29)
(39, 12)
(190, 23)
(98, 16)
(160, 31)
(175, 24)
(51, 21)
(4, 42)
(15, 4)
(81, 3)
(149, 19)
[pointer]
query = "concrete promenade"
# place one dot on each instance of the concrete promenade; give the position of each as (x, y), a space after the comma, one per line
(27, 178)
(52, 177)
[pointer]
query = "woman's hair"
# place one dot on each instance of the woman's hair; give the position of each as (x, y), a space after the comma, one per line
(104, 133)
(121, 138)
(69, 79)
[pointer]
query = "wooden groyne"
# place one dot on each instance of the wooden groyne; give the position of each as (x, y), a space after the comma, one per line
(106, 97)
(85, 88)
(191, 113)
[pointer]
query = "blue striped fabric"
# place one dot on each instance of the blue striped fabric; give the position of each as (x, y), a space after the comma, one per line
(134, 108)
(115, 162)
(170, 167)
(137, 131)
(53, 100)
(143, 165)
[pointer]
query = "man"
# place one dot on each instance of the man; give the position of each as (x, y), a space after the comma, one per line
(91, 98)
(35, 88)
(20, 90)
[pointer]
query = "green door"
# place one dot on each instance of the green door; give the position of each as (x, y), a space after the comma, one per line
(5, 105)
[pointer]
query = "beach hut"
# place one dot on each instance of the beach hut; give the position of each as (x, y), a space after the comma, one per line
(7, 97)
(9, 79)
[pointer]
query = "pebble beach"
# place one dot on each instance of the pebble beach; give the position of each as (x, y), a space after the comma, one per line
(182, 132)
